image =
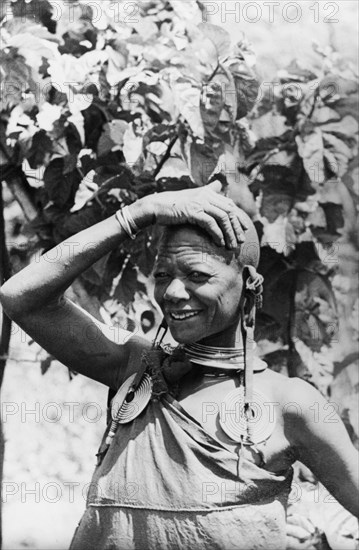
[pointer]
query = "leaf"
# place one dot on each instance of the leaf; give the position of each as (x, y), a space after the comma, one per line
(128, 285)
(279, 280)
(76, 22)
(282, 158)
(335, 193)
(269, 125)
(340, 151)
(132, 147)
(317, 363)
(311, 149)
(38, 10)
(174, 167)
(117, 62)
(246, 84)
(323, 114)
(187, 11)
(48, 115)
(15, 77)
(187, 96)
(112, 137)
(333, 87)
(34, 48)
(277, 180)
(96, 273)
(334, 217)
(203, 160)
(159, 132)
(73, 139)
(274, 205)
(156, 148)
(70, 163)
(275, 233)
(346, 128)
(218, 97)
(60, 187)
(266, 327)
(316, 312)
(19, 24)
(146, 28)
(296, 72)
(85, 192)
(94, 120)
(70, 223)
(348, 106)
(218, 36)
(236, 182)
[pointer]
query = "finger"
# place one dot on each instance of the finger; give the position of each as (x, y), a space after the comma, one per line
(209, 224)
(231, 211)
(237, 228)
(298, 532)
(243, 218)
(224, 222)
(215, 186)
(230, 206)
(301, 521)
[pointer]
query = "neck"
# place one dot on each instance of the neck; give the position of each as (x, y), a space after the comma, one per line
(231, 337)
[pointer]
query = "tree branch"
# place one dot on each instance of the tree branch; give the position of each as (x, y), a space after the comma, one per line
(165, 157)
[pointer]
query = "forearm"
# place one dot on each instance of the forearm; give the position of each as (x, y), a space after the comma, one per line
(44, 281)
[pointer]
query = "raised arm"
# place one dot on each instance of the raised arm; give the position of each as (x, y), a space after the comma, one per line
(34, 297)
(323, 444)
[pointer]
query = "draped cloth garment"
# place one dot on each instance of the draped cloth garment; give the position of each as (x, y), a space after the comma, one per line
(166, 484)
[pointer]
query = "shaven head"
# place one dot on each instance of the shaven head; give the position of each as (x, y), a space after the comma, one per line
(246, 254)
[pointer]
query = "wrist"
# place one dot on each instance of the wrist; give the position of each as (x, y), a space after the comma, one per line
(143, 212)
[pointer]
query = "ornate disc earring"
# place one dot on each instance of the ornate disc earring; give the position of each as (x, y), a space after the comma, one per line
(238, 420)
(129, 402)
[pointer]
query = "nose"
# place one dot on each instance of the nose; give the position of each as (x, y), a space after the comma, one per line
(176, 291)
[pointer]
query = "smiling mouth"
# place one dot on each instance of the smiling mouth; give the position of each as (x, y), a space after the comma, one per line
(183, 316)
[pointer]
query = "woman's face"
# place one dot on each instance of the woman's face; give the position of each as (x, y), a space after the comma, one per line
(197, 285)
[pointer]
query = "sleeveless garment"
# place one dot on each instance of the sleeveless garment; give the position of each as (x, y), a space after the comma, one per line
(166, 484)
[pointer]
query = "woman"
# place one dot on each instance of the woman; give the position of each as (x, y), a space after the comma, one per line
(200, 449)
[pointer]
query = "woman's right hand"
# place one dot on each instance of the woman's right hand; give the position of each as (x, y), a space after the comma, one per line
(202, 206)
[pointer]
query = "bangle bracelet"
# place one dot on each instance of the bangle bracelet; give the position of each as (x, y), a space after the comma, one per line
(127, 215)
(127, 222)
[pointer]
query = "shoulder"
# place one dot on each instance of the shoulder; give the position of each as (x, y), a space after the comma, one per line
(300, 404)
(291, 391)
(308, 417)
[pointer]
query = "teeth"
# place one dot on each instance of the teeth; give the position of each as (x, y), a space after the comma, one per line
(181, 316)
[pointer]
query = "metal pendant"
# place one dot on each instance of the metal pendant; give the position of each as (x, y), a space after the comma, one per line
(128, 404)
(248, 427)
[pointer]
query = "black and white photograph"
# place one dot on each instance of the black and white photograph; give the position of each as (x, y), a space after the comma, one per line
(179, 275)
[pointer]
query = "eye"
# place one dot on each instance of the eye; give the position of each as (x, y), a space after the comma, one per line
(160, 275)
(198, 276)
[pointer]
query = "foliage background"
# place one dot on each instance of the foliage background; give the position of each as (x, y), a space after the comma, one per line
(292, 164)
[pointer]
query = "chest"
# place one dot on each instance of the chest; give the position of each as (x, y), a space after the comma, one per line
(212, 401)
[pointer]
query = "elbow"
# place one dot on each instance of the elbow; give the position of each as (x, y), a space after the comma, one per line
(11, 302)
